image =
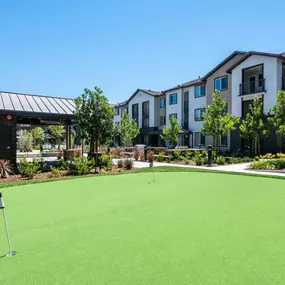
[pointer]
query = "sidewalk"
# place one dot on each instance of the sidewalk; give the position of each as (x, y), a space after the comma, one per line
(239, 168)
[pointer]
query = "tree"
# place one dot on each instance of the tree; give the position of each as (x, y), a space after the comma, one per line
(38, 135)
(217, 122)
(278, 119)
(57, 132)
(170, 134)
(25, 141)
(255, 126)
(95, 117)
(128, 130)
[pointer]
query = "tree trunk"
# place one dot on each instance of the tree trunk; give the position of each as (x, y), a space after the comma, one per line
(82, 147)
(58, 144)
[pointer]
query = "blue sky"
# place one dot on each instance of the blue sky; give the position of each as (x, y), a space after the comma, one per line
(60, 47)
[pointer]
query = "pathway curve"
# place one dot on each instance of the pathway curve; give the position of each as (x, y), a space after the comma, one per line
(240, 168)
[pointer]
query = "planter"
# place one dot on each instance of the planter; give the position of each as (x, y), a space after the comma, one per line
(69, 154)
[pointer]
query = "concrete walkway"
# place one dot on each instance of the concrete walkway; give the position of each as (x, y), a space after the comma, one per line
(239, 168)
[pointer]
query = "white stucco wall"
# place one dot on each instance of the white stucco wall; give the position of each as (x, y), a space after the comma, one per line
(139, 98)
(195, 103)
(272, 83)
(176, 108)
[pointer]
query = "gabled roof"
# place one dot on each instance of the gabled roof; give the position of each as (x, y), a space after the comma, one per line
(35, 104)
(250, 53)
(120, 104)
(186, 84)
(227, 59)
(147, 91)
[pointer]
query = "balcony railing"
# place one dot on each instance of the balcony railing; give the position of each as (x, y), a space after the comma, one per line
(252, 87)
(283, 83)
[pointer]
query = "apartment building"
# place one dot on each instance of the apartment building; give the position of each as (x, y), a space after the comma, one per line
(239, 77)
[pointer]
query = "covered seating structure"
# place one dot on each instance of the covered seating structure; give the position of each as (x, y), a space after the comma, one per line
(19, 108)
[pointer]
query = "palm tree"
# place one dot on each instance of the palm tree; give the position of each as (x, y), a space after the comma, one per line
(38, 135)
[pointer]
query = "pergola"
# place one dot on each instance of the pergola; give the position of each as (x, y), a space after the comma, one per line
(19, 108)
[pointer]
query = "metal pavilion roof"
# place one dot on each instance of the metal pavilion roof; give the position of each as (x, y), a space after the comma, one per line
(35, 104)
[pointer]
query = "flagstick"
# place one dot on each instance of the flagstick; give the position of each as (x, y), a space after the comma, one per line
(10, 253)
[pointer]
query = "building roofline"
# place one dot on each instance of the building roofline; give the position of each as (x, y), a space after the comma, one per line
(30, 94)
(227, 59)
(250, 53)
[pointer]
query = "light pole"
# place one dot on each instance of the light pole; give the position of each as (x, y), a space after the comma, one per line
(2, 206)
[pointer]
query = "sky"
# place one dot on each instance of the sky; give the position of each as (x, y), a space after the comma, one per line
(60, 47)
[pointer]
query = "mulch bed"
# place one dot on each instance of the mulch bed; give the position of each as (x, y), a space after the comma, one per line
(64, 173)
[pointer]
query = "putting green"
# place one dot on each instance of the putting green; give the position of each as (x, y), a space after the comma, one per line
(185, 228)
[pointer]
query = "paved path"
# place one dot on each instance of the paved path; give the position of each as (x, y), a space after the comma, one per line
(240, 168)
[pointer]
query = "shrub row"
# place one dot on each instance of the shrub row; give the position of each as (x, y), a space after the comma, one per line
(269, 164)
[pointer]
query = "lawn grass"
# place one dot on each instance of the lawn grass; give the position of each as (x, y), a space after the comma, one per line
(184, 228)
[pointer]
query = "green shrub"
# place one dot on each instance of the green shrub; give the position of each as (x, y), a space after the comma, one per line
(62, 165)
(189, 154)
(106, 162)
(246, 159)
(128, 164)
(269, 164)
(228, 160)
(177, 154)
(120, 163)
(25, 141)
(55, 172)
(198, 160)
(83, 165)
(29, 169)
(205, 161)
(203, 154)
(160, 156)
(221, 160)
(170, 158)
(37, 147)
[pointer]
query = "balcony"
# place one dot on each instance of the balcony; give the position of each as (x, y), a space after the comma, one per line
(283, 83)
(252, 87)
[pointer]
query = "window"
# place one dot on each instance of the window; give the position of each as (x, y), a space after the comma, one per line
(135, 111)
(162, 121)
(173, 115)
(221, 83)
(198, 114)
(173, 99)
(145, 123)
(224, 141)
(117, 111)
(145, 109)
(200, 91)
(199, 139)
(162, 102)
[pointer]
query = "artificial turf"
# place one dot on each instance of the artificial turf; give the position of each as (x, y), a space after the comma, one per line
(184, 228)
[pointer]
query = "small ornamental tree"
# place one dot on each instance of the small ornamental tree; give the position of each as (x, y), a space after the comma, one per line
(278, 119)
(128, 130)
(255, 126)
(57, 132)
(95, 117)
(217, 122)
(38, 135)
(25, 141)
(170, 134)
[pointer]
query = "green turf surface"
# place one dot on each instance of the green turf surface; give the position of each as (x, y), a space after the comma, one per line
(185, 228)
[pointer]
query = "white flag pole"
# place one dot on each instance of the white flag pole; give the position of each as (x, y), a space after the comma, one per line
(2, 206)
